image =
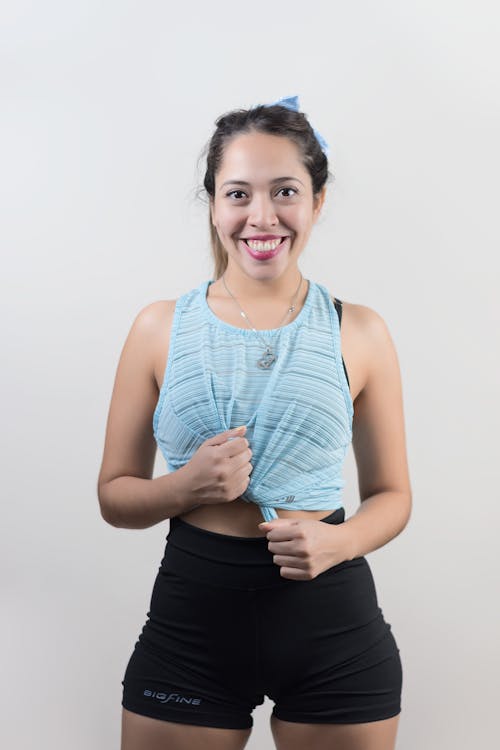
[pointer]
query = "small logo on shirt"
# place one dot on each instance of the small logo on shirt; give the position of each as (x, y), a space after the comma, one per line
(171, 697)
(287, 499)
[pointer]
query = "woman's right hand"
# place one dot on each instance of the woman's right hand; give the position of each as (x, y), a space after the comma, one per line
(218, 471)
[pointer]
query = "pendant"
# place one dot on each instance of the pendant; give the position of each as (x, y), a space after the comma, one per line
(267, 360)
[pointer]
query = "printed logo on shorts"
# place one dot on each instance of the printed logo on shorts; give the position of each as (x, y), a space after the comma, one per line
(171, 697)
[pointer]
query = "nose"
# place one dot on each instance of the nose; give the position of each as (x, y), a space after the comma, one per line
(262, 212)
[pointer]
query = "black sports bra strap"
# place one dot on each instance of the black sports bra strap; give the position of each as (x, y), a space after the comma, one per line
(338, 307)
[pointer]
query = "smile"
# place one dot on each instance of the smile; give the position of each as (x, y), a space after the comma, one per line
(266, 246)
(259, 250)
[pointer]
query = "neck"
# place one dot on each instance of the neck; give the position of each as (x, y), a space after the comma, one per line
(245, 287)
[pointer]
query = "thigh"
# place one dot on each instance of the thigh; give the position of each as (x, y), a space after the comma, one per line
(145, 733)
(374, 735)
(194, 660)
(329, 656)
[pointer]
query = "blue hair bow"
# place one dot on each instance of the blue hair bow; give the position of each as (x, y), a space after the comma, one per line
(292, 102)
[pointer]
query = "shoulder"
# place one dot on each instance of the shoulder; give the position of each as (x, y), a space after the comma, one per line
(367, 343)
(364, 322)
(360, 322)
(380, 355)
(375, 331)
(370, 322)
(151, 330)
(153, 316)
(148, 330)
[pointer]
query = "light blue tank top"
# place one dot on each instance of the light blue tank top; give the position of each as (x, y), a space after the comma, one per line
(298, 412)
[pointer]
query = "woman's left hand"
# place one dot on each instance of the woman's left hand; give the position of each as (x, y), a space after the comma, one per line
(304, 548)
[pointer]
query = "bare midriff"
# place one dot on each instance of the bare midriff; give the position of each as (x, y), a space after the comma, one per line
(239, 518)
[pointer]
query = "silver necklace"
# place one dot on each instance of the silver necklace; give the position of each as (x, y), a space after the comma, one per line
(268, 357)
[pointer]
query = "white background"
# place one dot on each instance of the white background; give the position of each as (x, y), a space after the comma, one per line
(105, 108)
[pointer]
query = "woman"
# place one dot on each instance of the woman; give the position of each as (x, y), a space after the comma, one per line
(240, 608)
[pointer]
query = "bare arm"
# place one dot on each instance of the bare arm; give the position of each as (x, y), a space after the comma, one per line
(379, 446)
(136, 503)
(128, 496)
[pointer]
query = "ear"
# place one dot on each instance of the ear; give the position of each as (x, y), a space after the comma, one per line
(318, 201)
(211, 204)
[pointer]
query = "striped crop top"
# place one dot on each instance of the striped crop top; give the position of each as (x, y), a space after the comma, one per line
(298, 413)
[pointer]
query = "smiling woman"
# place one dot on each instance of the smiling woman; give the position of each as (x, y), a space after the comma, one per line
(286, 206)
(244, 380)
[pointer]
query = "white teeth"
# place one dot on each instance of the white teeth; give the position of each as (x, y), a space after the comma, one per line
(263, 246)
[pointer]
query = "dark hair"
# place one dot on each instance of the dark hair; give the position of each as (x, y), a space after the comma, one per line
(276, 120)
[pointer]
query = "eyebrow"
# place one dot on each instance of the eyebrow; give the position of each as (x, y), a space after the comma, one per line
(242, 182)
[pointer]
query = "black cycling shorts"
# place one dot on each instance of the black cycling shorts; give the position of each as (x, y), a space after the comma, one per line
(225, 629)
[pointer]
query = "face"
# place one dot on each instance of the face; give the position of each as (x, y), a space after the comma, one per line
(264, 192)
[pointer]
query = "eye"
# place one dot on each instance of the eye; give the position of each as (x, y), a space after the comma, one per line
(234, 191)
(288, 188)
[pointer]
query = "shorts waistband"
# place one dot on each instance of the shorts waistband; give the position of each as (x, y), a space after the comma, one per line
(222, 559)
